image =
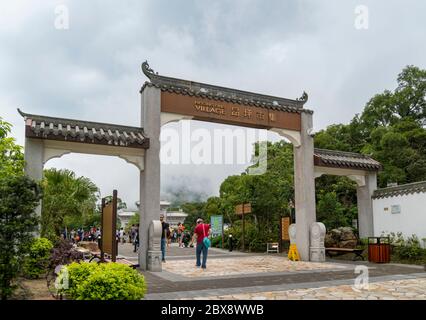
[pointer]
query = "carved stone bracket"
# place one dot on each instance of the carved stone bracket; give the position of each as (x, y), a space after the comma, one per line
(50, 153)
(138, 161)
(293, 136)
(167, 117)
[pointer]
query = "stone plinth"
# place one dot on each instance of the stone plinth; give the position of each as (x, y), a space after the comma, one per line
(317, 235)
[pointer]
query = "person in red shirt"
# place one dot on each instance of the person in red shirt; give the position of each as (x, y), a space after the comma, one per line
(201, 231)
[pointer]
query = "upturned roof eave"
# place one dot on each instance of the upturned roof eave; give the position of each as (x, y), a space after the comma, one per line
(80, 123)
(163, 82)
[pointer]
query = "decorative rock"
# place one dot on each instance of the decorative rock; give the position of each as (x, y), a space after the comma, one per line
(342, 237)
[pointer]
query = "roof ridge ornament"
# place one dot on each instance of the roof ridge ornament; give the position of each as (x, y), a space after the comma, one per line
(303, 98)
(23, 114)
(147, 70)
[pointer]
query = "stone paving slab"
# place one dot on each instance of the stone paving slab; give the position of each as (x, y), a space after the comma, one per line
(411, 286)
(245, 266)
(173, 252)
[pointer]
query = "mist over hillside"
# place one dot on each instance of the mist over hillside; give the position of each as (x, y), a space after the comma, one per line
(181, 189)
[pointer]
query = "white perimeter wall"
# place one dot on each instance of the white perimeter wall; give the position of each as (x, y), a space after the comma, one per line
(411, 220)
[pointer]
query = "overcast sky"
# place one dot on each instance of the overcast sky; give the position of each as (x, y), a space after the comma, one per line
(91, 70)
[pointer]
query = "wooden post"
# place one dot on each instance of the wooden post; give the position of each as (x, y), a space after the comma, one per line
(102, 229)
(114, 225)
(243, 232)
(223, 236)
(280, 246)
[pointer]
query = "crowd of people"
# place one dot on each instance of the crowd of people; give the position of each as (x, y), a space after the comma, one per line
(94, 234)
(179, 235)
(130, 237)
(80, 234)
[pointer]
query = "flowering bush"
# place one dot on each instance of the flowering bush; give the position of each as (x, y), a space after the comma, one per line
(104, 281)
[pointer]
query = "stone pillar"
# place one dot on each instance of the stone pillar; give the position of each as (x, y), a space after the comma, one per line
(34, 158)
(317, 249)
(304, 186)
(150, 176)
(365, 205)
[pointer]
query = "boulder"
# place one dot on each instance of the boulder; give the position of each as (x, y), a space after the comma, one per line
(347, 234)
(343, 237)
(350, 244)
(329, 241)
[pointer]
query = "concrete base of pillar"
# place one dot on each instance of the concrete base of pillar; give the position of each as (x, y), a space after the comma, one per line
(154, 261)
(317, 254)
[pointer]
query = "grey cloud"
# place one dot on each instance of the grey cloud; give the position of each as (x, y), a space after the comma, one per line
(92, 71)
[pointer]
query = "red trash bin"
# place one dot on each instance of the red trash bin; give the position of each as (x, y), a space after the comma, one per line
(379, 249)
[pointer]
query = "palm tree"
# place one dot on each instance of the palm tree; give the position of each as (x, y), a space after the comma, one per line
(65, 195)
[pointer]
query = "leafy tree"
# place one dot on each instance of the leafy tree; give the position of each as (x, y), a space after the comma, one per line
(134, 220)
(391, 129)
(120, 203)
(65, 197)
(11, 156)
(194, 210)
(19, 196)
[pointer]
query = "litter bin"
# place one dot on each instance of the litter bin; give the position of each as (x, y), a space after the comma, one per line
(379, 249)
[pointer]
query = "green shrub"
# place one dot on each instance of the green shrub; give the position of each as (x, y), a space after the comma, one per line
(105, 281)
(217, 242)
(409, 252)
(19, 196)
(37, 261)
(405, 248)
(78, 273)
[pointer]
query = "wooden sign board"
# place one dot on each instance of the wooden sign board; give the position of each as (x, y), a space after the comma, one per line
(243, 208)
(285, 223)
(107, 234)
(109, 224)
(205, 109)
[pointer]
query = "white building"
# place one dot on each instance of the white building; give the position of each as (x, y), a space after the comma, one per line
(401, 209)
(172, 217)
(124, 216)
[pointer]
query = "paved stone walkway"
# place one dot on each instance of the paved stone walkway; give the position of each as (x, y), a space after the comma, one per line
(236, 275)
(413, 289)
(244, 266)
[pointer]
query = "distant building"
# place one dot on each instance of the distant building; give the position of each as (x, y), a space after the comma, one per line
(164, 205)
(172, 217)
(124, 216)
(401, 209)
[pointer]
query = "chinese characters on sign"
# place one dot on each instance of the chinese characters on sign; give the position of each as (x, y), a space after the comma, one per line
(229, 112)
(236, 112)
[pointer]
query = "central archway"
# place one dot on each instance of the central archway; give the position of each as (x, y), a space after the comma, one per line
(166, 99)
